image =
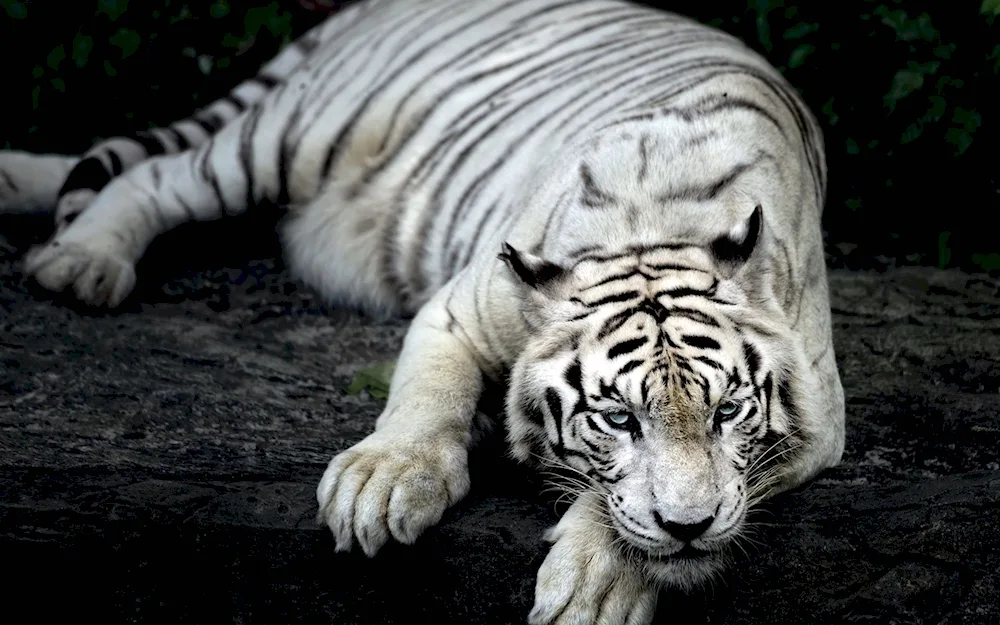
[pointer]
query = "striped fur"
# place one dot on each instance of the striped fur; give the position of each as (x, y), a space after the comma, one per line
(658, 310)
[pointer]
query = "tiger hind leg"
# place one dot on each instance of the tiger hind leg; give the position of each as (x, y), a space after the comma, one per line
(29, 183)
(95, 254)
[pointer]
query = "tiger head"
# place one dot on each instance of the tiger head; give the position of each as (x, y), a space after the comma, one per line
(656, 378)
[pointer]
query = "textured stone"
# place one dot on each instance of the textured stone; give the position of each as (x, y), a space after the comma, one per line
(158, 464)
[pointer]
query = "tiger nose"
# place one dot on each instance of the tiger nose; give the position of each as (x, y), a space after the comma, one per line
(685, 532)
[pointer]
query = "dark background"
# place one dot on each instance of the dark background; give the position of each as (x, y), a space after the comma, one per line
(907, 94)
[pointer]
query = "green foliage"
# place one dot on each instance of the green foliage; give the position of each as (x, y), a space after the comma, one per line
(987, 262)
(126, 40)
(944, 252)
(374, 379)
(15, 10)
(112, 8)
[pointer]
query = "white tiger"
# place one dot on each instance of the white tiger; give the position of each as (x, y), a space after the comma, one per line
(658, 311)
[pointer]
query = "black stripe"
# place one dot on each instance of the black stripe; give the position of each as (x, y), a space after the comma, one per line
(269, 82)
(701, 342)
(149, 142)
(555, 409)
(117, 167)
(210, 176)
(239, 105)
(593, 196)
(9, 181)
(287, 153)
(643, 157)
(205, 124)
(87, 174)
(625, 275)
(682, 292)
(246, 150)
(628, 367)
(786, 399)
(710, 362)
(753, 360)
(533, 413)
(694, 315)
(181, 141)
(615, 298)
(626, 347)
(701, 193)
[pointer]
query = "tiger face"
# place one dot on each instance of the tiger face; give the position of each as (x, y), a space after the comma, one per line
(646, 380)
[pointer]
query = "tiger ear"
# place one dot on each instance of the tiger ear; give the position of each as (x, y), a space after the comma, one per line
(533, 271)
(734, 249)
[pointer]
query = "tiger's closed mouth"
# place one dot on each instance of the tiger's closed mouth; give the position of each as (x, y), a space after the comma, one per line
(686, 553)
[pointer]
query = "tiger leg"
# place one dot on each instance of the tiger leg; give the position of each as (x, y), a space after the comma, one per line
(29, 183)
(400, 479)
(113, 156)
(585, 578)
(97, 252)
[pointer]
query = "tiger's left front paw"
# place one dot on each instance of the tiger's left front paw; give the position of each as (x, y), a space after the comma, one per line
(584, 580)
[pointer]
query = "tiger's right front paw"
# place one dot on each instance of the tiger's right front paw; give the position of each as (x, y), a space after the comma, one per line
(390, 485)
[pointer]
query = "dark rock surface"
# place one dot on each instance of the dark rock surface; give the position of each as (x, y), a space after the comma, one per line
(158, 464)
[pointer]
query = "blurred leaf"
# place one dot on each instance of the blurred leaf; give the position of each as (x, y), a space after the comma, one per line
(853, 204)
(183, 14)
(799, 54)
(989, 262)
(375, 380)
(990, 7)
(852, 146)
(827, 110)
(937, 109)
(906, 28)
(762, 8)
(56, 57)
(923, 68)
(962, 136)
(944, 252)
(109, 69)
(904, 83)
(219, 8)
(912, 133)
(112, 8)
(278, 24)
(58, 84)
(800, 30)
(944, 51)
(37, 71)
(995, 56)
(126, 40)
(970, 119)
(15, 10)
(205, 64)
(82, 45)
(948, 81)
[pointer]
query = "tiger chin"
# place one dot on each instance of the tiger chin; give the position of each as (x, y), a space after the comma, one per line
(659, 308)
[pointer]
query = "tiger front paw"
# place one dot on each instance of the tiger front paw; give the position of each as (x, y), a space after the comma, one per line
(585, 580)
(388, 485)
